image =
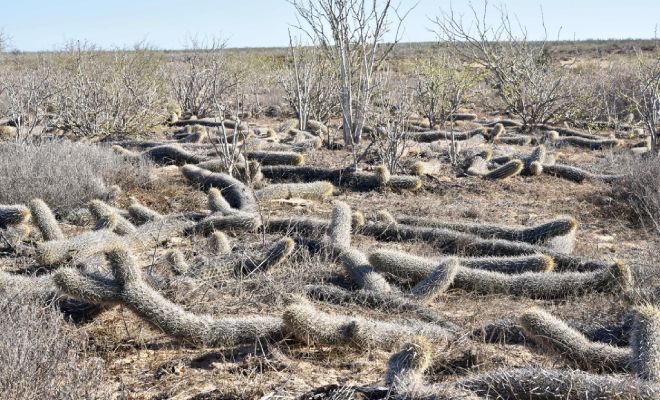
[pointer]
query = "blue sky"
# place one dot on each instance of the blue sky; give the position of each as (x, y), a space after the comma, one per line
(46, 24)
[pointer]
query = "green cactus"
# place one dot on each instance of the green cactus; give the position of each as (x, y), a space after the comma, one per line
(172, 154)
(645, 343)
(154, 233)
(276, 157)
(592, 144)
(45, 220)
(13, 215)
(234, 191)
(478, 167)
(406, 367)
(301, 173)
(219, 244)
(385, 216)
(41, 288)
(366, 333)
(512, 168)
(437, 282)
(496, 132)
(449, 241)
(404, 182)
(357, 219)
(227, 266)
(250, 172)
(129, 289)
(537, 234)
(432, 136)
(176, 261)
(107, 222)
(129, 155)
(313, 191)
(516, 140)
(314, 327)
(414, 268)
(277, 253)
(340, 227)
(236, 221)
(15, 235)
(556, 336)
(217, 202)
(553, 384)
(141, 213)
(305, 226)
(101, 211)
(615, 279)
(362, 273)
(316, 126)
(534, 161)
(382, 301)
(576, 174)
(76, 248)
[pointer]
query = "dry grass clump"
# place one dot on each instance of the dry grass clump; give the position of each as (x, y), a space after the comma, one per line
(64, 174)
(41, 357)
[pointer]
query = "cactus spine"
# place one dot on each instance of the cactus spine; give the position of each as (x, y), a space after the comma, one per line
(361, 272)
(577, 175)
(129, 289)
(217, 202)
(277, 253)
(645, 343)
(176, 262)
(407, 367)
(45, 220)
(340, 225)
(76, 248)
(276, 157)
(234, 191)
(414, 268)
(512, 168)
(437, 282)
(542, 233)
(556, 336)
(141, 213)
(313, 327)
(542, 384)
(108, 215)
(313, 191)
(219, 244)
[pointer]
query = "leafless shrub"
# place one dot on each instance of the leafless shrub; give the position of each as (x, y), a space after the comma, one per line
(105, 93)
(201, 77)
(309, 84)
(64, 174)
(41, 357)
(640, 189)
(27, 88)
(255, 76)
(444, 84)
(351, 34)
(394, 100)
(597, 93)
(524, 76)
(644, 94)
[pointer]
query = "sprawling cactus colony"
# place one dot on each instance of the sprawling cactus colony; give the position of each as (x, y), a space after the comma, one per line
(325, 279)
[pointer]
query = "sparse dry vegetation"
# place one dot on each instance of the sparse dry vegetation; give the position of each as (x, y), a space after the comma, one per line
(475, 218)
